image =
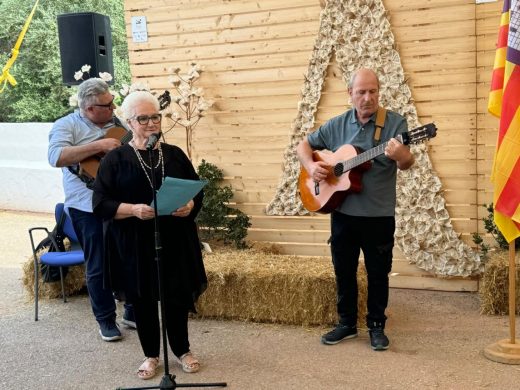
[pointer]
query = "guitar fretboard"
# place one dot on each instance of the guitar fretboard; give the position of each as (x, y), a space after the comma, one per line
(126, 138)
(416, 135)
(364, 157)
(347, 165)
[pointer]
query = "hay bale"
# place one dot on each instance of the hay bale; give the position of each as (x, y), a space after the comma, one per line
(74, 281)
(257, 285)
(494, 285)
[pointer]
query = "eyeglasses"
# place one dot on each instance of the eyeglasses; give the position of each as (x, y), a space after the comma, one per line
(109, 105)
(145, 119)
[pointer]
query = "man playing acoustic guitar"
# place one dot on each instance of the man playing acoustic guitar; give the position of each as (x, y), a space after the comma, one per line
(365, 219)
(73, 139)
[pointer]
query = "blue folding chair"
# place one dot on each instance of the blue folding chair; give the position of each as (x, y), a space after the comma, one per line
(57, 257)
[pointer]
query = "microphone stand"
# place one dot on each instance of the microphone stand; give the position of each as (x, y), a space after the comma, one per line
(168, 380)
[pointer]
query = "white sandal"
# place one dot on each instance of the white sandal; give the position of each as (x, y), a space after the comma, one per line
(188, 362)
(148, 369)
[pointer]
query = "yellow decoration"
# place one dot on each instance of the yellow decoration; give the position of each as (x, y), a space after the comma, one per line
(6, 77)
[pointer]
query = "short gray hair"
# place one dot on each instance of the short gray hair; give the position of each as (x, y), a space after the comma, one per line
(354, 75)
(89, 89)
(135, 98)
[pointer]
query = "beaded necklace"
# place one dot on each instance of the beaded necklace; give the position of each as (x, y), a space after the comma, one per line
(144, 165)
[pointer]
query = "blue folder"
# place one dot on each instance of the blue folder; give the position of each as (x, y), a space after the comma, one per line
(175, 193)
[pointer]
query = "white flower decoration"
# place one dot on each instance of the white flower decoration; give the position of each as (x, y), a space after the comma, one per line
(73, 100)
(105, 76)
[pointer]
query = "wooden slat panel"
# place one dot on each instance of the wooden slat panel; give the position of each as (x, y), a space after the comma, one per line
(291, 223)
(159, 24)
(406, 5)
(255, 56)
(431, 283)
(172, 10)
(186, 54)
(228, 36)
(275, 60)
(435, 31)
(411, 17)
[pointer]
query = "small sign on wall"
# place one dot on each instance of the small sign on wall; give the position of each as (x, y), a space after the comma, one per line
(139, 30)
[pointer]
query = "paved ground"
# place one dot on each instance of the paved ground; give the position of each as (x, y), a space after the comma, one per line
(436, 338)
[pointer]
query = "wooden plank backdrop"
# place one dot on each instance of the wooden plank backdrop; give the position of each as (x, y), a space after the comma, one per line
(255, 55)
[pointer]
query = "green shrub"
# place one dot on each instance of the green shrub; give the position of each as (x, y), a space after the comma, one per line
(491, 228)
(216, 220)
(40, 95)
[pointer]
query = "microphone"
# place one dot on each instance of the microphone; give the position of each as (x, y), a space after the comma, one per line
(152, 140)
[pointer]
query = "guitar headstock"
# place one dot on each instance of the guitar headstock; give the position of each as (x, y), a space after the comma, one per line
(164, 100)
(420, 134)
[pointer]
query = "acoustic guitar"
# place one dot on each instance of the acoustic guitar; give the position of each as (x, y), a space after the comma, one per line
(347, 166)
(89, 166)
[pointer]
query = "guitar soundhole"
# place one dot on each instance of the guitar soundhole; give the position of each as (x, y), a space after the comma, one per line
(338, 169)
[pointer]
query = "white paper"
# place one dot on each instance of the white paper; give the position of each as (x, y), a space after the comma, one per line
(139, 29)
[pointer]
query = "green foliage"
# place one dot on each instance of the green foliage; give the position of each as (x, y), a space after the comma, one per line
(491, 228)
(40, 95)
(216, 220)
(479, 241)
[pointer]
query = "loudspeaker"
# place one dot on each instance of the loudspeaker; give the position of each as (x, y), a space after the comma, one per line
(85, 39)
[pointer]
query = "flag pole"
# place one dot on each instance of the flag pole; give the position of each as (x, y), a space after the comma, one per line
(512, 291)
(507, 350)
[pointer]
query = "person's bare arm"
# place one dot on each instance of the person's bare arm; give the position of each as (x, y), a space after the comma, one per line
(318, 170)
(141, 211)
(71, 155)
(400, 153)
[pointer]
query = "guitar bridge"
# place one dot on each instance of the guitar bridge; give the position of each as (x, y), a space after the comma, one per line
(316, 188)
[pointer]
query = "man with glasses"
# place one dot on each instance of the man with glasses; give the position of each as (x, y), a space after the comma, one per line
(72, 139)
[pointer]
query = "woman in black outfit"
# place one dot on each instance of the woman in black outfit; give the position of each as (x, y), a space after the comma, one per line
(122, 195)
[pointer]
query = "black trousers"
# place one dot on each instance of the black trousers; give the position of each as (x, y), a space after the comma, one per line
(149, 330)
(375, 237)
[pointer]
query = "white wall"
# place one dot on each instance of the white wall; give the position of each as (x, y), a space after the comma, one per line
(27, 181)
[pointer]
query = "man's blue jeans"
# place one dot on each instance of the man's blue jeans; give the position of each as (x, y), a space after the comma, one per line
(89, 230)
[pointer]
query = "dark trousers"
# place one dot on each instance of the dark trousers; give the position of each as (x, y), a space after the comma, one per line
(148, 327)
(89, 230)
(375, 237)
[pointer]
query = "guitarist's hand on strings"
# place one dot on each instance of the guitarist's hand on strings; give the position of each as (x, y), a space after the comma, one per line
(71, 155)
(319, 170)
(107, 144)
(400, 153)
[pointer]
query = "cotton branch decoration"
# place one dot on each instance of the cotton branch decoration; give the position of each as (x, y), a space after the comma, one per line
(190, 103)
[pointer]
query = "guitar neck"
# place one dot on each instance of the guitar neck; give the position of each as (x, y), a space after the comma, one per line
(416, 135)
(126, 138)
(363, 157)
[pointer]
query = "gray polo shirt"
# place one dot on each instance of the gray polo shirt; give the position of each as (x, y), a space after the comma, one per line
(378, 194)
(73, 130)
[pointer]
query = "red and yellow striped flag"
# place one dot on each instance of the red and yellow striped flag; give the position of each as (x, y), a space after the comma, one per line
(504, 102)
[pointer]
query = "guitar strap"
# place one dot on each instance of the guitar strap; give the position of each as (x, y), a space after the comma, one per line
(380, 123)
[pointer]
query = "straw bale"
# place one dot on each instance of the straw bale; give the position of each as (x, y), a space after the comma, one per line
(257, 285)
(260, 286)
(74, 281)
(494, 286)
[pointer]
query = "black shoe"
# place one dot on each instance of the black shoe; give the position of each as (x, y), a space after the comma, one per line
(128, 318)
(340, 332)
(109, 330)
(378, 339)
(116, 296)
